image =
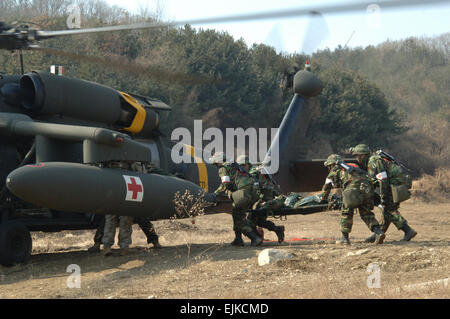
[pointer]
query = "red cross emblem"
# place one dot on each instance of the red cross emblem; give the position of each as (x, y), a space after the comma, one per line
(134, 187)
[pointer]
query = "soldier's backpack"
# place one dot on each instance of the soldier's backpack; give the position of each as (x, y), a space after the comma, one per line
(357, 191)
(245, 195)
(242, 198)
(399, 181)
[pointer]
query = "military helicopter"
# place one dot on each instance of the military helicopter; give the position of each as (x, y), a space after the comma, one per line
(68, 145)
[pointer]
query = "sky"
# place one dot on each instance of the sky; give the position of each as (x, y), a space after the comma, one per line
(290, 35)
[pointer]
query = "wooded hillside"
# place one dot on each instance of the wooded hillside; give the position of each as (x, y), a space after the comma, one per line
(393, 96)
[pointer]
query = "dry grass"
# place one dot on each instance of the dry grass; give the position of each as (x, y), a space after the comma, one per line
(319, 269)
(433, 188)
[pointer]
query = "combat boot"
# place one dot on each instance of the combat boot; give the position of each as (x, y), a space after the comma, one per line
(379, 234)
(373, 237)
(344, 239)
(279, 230)
(107, 251)
(256, 240)
(409, 232)
(154, 240)
(237, 239)
(95, 248)
(156, 244)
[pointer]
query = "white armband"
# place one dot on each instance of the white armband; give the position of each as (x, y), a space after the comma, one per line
(225, 179)
(381, 176)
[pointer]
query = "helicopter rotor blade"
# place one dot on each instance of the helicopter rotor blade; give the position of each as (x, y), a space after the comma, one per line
(275, 39)
(122, 64)
(316, 32)
(286, 13)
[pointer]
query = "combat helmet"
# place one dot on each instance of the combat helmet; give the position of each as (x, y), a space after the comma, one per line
(242, 160)
(332, 159)
(360, 149)
(218, 158)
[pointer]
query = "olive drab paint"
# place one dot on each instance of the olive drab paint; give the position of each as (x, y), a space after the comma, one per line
(74, 187)
(50, 94)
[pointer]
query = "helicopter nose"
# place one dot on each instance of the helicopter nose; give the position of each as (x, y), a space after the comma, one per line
(19, 181)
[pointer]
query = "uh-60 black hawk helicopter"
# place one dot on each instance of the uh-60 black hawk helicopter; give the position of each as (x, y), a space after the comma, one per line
(68, 146)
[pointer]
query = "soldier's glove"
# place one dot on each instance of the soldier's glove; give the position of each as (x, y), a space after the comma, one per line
(257, 204)
(229, 194)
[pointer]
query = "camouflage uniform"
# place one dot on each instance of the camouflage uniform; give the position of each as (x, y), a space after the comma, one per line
(149, 230)
(340, 178)
(268, 202)
(98, 235)
(376, 165)
(125, 225)
(145, 225)
(333, 180)
(378, 169)
(232, 181)
(356, 181)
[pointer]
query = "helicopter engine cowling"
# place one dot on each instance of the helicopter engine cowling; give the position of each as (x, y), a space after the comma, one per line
(44, 93)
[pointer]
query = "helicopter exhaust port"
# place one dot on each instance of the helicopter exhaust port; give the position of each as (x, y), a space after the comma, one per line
(44, 93)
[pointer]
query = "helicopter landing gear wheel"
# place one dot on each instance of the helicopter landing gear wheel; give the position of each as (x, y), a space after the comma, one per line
(15, 243)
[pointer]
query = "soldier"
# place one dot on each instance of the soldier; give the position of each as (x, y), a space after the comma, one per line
(238, 186)
(355, 186)
(267, 201)
(332, 180)
(144, 223)
(125, 225)
(98, 236)
(149, 230)
(377, 168)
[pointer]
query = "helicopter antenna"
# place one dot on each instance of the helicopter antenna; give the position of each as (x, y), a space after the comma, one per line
(351, 36)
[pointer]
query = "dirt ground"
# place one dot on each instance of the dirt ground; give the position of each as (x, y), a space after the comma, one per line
(196, 261)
